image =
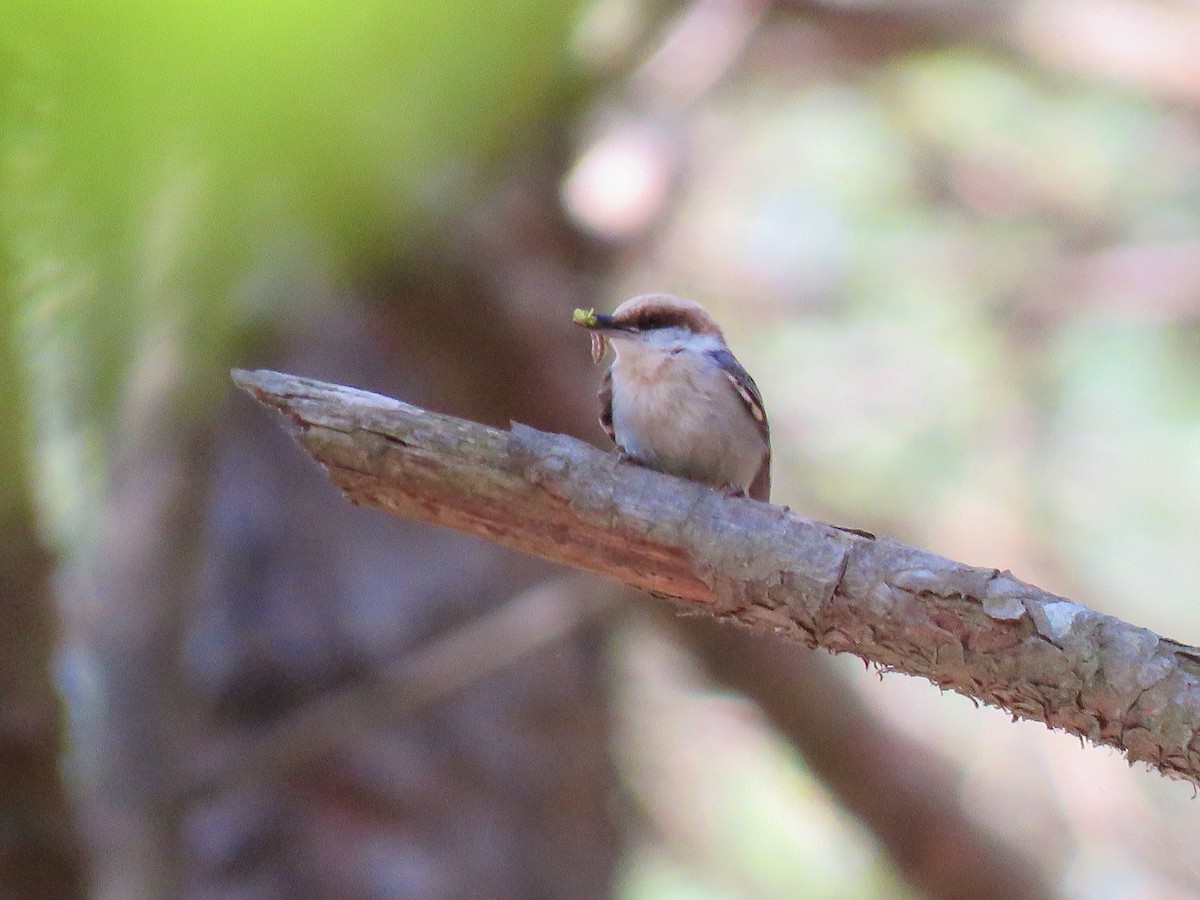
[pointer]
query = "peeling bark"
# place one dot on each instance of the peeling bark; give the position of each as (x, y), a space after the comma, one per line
(978, 631)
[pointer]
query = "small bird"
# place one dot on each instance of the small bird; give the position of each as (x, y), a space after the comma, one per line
(676, 400)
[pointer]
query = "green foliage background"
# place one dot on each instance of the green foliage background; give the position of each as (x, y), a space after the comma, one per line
(177, 176)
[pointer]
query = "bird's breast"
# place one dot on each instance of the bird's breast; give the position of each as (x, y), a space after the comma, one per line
(682, 416)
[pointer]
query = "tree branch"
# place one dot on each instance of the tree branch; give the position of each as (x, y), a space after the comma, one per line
(980, 632)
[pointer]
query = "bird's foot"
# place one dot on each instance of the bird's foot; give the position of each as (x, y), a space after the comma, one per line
(625, 456)
(731, 490)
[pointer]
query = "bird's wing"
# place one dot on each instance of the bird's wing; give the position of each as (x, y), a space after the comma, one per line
(760, 487)
(746, 389)
(606, 397)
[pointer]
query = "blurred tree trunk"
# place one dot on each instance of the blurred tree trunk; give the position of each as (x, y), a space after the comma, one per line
(237, 585)
(40, 857)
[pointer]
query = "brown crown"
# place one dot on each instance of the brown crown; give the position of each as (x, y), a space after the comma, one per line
(665, 311)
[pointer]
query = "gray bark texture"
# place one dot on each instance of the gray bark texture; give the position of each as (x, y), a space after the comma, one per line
(978, 631)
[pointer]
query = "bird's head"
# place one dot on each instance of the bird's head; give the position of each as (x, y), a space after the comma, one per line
(652, 321)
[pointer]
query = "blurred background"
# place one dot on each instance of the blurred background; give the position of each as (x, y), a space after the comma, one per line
(958, 245)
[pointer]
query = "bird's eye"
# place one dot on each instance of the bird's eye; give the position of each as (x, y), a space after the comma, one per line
(653, 321)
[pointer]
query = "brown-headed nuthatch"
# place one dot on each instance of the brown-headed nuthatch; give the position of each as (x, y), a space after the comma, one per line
(676, 400)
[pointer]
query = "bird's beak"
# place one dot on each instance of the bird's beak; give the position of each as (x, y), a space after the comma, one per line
(595, 321)
(600, 326)
(601, 322)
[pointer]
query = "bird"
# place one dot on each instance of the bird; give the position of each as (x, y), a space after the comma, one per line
(675, 399)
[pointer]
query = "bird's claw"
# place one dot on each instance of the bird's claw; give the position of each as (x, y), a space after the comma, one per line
(625, 456)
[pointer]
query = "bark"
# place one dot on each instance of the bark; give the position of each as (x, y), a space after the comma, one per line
(979, 631)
